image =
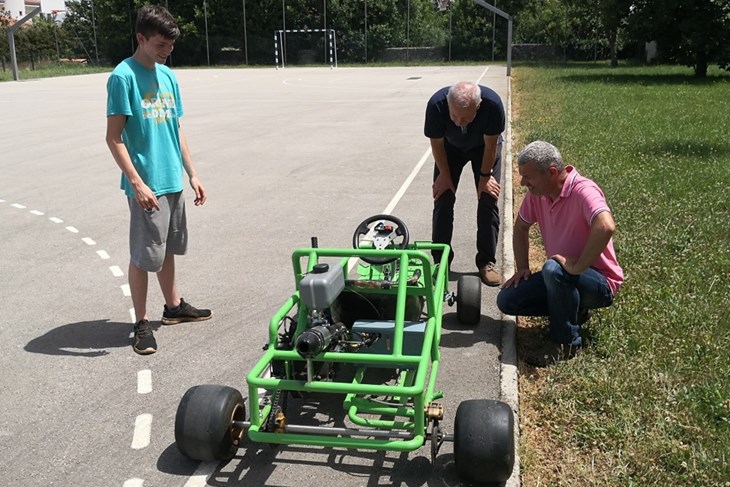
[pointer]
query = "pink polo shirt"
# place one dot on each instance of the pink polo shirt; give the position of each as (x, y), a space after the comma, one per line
(566, 222)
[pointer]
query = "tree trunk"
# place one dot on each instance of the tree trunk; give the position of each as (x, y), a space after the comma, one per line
(701, 65)
(612, 36)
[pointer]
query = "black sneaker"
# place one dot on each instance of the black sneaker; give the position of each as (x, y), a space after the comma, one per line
(184, 313)
(144, 340)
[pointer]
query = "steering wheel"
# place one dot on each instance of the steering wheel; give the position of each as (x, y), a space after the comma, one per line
(382, 231)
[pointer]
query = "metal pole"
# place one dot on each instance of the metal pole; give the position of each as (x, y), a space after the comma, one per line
(509, 45)
(131, 27)
(11, 40)
(245, 37)
(408, 31)
(13, 58)
(55, 37)
(93, 26)
(494, 25)
(205, 16)
(283, 33)
(324, 28)
(366, 31)
(169, 58)
(450, 15)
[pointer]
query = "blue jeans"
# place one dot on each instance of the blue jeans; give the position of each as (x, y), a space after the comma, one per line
(555, 293)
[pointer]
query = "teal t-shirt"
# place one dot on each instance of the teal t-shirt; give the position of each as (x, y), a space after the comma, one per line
(151, 101)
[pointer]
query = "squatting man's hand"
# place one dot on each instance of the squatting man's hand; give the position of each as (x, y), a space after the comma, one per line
(519, 275)
(567, 263)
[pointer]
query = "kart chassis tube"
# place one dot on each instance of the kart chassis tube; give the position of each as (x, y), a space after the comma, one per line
(412, 385)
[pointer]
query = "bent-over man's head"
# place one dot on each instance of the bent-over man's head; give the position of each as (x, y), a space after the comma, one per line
(463, 99)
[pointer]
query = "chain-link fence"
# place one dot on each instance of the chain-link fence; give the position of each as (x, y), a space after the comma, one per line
(238, 32)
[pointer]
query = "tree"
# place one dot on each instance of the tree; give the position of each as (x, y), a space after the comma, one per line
(694, 34)
(471, 31)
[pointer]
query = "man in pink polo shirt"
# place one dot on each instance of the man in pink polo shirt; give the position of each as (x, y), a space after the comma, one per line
(581, 273)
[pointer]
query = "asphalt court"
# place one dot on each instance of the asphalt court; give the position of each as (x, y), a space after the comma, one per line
(285, 155)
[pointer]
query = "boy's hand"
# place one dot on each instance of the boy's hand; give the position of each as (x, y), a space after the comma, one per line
(200, 194)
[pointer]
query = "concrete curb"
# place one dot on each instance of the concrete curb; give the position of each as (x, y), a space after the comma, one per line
(509, 390)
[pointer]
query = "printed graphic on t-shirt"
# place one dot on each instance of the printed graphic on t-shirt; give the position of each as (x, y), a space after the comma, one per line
(159, 107)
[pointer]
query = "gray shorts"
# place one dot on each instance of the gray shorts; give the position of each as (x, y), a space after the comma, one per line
(154, 233)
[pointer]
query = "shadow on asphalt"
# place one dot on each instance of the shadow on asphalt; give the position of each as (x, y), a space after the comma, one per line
(456, 335)
(256, 463)
(84, 339)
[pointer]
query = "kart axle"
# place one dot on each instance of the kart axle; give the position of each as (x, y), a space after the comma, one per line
(325, 430)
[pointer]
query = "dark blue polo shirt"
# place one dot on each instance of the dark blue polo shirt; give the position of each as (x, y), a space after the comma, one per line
(489, 120)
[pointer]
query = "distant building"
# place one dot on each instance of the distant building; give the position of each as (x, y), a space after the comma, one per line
(19, 8)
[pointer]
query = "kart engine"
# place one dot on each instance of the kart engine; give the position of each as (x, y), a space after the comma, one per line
(318, 291)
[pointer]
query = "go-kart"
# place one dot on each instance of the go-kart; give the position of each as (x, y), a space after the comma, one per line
(338, 332)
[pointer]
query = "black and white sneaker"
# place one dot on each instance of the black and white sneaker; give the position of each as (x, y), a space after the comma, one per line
(144, 340)
(184, 313)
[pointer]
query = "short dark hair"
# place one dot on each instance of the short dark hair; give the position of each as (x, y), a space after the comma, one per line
(156, 19)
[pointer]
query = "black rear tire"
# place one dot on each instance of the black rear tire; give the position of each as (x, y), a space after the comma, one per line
(204, 423)
(469, 300)
(484, 445)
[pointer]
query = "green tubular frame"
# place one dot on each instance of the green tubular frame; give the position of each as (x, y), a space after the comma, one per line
(414, 389)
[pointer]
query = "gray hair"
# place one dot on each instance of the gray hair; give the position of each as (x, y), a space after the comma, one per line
(543, 154)
(464, 94)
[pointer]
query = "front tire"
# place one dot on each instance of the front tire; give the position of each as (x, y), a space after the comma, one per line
(469, 300)
(204, 423)
(484, 446)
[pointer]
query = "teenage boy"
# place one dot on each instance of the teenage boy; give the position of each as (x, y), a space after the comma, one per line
(144, 136)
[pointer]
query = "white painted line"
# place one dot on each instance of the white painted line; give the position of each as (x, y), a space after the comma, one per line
(55, 220)
(116, 271)
(134, 483)
(200, 477)
(36, 212)
(18, 206)
(144, 381)
(407, 183)
(132, 317)
(125, 290)
(102, 254)
(88, 241)
(142, 431)
(72, 229)
(483, 73)
(2, 201)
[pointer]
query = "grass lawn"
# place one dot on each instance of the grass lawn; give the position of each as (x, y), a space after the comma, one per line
(649, 402)
(50, 71)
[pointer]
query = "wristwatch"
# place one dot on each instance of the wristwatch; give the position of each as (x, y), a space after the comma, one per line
(486, 174)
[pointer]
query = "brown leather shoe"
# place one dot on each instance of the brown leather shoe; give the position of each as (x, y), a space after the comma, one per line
(489, 276)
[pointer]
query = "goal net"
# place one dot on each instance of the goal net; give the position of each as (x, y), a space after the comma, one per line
(305, 46)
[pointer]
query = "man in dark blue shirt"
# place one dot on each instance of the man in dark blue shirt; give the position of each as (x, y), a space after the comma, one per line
(465, 123)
